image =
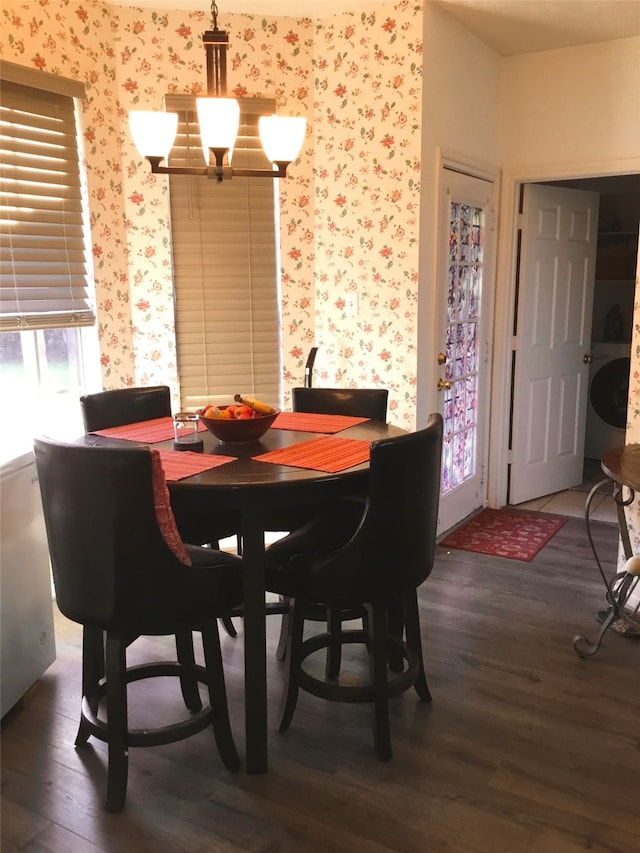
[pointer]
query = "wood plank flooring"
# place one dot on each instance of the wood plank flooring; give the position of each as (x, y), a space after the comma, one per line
(525, 748)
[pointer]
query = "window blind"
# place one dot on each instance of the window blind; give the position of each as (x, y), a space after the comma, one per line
(43, 263)
(225, 268)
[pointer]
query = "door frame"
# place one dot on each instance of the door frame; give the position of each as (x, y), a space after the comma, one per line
(449, 162)
(497, 480)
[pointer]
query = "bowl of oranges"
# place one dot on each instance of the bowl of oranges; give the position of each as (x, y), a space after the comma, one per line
(244, 420)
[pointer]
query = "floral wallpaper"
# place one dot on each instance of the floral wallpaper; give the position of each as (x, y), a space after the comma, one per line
(367, 74)
(348, 210)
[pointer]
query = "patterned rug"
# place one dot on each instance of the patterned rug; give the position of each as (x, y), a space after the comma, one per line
(507, 533)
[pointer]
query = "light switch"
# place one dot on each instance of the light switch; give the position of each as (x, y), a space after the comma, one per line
(351, 304)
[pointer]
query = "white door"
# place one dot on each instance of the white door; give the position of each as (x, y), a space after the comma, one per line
(552, 339)
(466, 283)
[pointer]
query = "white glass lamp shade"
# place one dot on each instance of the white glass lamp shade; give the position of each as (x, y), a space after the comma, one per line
(153, 133)
(282, 137)
(218, 119)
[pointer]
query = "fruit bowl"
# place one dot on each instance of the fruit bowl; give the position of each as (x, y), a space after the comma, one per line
(238, 431)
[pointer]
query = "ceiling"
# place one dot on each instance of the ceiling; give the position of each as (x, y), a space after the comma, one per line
(510, 27)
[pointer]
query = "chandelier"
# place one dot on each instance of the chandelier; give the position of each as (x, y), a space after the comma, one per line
(154, 133)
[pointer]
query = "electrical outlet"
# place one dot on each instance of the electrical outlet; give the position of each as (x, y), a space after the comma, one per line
(351, 304)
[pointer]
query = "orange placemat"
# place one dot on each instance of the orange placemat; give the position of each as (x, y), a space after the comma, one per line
(147, 432)
(312, 422)
(321, 454)
(178, 464)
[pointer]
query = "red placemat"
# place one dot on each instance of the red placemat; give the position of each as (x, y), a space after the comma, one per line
(320, 454)
(312, 422)
(146, 432)
(178, 464)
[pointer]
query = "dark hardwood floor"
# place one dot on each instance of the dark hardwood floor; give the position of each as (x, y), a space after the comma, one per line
(524, 748)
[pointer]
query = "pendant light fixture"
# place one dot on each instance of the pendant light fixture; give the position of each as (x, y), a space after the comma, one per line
(218, 116)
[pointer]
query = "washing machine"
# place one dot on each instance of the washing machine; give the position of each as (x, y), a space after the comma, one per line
(608, 396)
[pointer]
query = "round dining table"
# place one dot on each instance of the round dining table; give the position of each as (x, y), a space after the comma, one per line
(250, 487)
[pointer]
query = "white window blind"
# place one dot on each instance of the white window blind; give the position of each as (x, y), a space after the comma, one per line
(225, 268)
(43, 260)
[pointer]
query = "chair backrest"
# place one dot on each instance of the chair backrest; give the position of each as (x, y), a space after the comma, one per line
(359, 402)
(398, 531)
(124, 406)
(393, 548)
(112, 567)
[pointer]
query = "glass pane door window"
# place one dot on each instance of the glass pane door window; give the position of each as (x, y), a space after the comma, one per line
(460, 405)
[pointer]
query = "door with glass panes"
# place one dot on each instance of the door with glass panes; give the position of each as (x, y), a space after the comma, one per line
(462, 378)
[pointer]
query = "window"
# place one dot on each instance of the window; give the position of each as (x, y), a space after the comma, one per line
(225, 269)
(46, 291)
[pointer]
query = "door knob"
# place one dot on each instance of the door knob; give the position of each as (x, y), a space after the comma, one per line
(586, 358)
(442, 359)
(443, 385)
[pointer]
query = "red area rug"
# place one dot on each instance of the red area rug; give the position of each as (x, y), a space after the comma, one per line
(505, 533)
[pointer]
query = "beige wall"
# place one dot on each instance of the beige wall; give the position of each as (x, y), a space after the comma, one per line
(578, 105)
(568, 113)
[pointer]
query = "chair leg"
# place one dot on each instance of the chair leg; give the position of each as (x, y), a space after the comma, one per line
(229, 627)
(281, 651)
(218, 698)
(378, 672)
(396, 627)
(295, 629)
(334, 649)
(117, 723)
(225, 621)
(414, 642)
(188, 680)
(92, 672)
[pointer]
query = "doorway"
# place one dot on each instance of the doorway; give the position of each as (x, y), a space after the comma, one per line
(465, 293)
(612, 323)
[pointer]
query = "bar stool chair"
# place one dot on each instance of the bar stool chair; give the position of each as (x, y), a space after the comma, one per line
(373, 557)
(357, 402)
(121, 570)
(121, 406)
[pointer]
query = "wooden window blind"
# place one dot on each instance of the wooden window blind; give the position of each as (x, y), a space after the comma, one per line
(43, 261)
(225, 268)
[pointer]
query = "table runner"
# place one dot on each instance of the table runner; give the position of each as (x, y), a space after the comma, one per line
(320, 454)
(178, 464)
(314, 422)
(146, 432)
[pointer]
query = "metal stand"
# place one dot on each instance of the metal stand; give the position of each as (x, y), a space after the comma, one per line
(617, 616)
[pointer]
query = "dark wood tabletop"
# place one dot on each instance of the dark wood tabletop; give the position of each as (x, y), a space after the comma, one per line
(276, 482)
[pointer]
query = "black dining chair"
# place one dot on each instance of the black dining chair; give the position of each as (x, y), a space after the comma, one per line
(121, 570)
(356, 402)
(121, 406)
(374, 558)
